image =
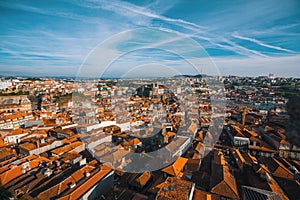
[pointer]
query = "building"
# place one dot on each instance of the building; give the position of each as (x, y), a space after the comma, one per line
(85, 183)
(176, 168)
(5, 84)
(14, 103)
(223, 182)
(237, 138)
(15, 136)
(39, 147)
(176, 188)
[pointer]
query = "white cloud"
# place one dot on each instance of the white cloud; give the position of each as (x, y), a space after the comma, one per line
(282, 66)
(261, 43)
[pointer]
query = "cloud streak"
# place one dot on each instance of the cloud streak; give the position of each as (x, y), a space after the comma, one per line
(199, 32)
(49, 33)
(261, 43)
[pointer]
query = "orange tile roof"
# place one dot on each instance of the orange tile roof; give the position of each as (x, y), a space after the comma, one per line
(71, 139)
(252, 133)
(83, 188)
(272, 183)
(169, 134)
(142, 180)
(17, 171)
(77, 176)
(202, 195)
(19, 131)
(136, 141)
(2, 144)
(132, 142)
(63, 186)
(198, 147)
(196, 156)
(28, 158)
(263, 148)
(239, 158)
(223, 182)
(67, 148)
(6, 163)
(284, 142)
(35, 163)
(4, 168)
(42, 132)
(193, 127)
(252, 157)
(238, 130)
(126, 143)
(176, 167)
(93, 162)
(277, 168)
(175, 188)
(10, 175)
(28, 146)
(69, 156)
(219, 158)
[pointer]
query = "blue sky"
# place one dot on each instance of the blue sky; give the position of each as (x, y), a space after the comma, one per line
(54, 37)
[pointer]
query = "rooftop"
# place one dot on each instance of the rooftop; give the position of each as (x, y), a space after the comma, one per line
(176, 167)
(175, 188)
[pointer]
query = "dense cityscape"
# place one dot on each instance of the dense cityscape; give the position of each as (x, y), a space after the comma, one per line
(151, 139)
(149, 100)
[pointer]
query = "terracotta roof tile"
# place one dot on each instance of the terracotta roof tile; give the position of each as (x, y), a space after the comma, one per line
(28, 146)
(222, 182)
(175, 188)
(202, 195)
(89, 183)
(176, 167)
(17, 171)
(277, 168)
(141, 180)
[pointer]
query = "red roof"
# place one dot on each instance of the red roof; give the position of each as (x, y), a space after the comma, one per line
(176, 167)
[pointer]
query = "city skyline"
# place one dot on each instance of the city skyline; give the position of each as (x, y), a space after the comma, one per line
(54, 38)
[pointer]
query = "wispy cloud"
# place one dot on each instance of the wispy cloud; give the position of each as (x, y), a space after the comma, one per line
(282, 66)
(245, 51)
(199, 32)
(61, 32)
(261, 43)
(130, 10)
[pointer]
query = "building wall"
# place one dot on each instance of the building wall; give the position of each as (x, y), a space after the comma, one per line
(80, 148)
(5, 84)
(124, 126)
(15, 107)
(46, 148)
(239, 141)
(14, 138)
(100, 141)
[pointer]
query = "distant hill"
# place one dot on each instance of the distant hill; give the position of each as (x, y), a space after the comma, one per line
(191, 76)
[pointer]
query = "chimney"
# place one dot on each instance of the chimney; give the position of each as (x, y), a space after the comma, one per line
(72, 185)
